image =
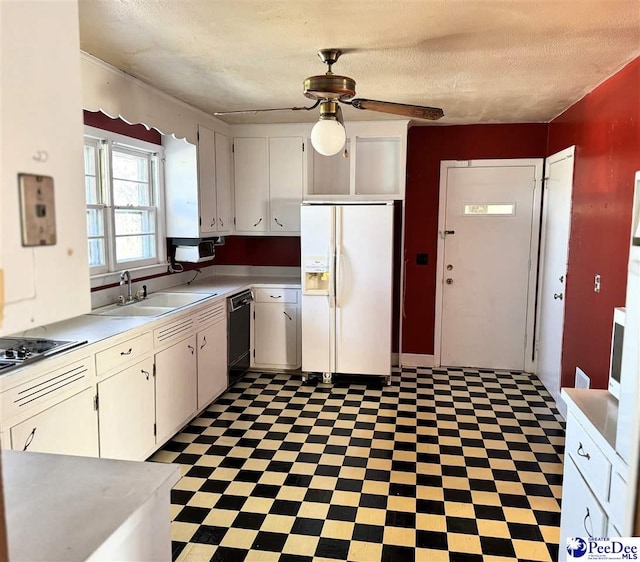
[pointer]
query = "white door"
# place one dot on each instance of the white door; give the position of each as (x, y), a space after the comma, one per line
(223, 182)
(364, 278)
(206, 181)
(317, 239)
(251, 177)
(176, 387)
(275, 334)
(212, 363)
(556, 223)
(488, 243)
(68, 428)
(285, 183)
(127, 413)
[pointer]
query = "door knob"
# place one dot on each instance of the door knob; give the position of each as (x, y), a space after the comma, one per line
(449, 281)
(557, 296)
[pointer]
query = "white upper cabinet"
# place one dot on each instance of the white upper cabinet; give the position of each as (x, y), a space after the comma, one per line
(41, 125)
(270, 164)
(251, 174)
(224, 221)
(286, 174)
(372, 165)
(197, 186)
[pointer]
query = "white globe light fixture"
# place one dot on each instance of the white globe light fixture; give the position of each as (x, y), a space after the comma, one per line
(328, 135)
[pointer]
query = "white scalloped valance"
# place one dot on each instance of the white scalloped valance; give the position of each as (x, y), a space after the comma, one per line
(107, 89)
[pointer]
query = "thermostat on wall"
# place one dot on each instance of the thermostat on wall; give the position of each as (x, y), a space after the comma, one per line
(37, 210)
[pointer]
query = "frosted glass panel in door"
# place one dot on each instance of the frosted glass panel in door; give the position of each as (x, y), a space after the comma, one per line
(330, 173)
(377, 166)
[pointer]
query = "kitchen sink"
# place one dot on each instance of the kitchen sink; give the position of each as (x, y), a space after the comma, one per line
(154, 305)
(171, 300)
(132, 310)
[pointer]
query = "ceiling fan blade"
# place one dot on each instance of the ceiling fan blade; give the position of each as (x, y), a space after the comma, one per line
(270, 109)
(413, 111)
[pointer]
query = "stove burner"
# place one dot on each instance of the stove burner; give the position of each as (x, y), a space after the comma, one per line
(15, 352)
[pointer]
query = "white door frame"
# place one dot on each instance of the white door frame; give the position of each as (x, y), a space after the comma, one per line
(537, 163)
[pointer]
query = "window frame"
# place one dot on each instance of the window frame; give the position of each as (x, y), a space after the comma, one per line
(106, 142)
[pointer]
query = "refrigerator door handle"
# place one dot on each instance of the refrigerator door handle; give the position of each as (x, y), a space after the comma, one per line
(338, 260)
(332, 281)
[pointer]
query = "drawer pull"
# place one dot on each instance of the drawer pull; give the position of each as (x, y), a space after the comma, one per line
(204, 342)
(145, 373)
(278, 223)
(29, 439)
(259, 221)
(127, 352)
(582, 453)
(276, 296)
(191, 348)
(289, 317)
(584, 524)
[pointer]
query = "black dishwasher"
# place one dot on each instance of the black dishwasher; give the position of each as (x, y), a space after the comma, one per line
(239, 335)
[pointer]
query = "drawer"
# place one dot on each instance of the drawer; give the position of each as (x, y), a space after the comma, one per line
(46, 390)
(589, 459)
(582, 515)
(276, 295)
(124, 353)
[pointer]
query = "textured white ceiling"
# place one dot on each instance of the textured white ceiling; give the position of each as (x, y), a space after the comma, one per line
(482, 61)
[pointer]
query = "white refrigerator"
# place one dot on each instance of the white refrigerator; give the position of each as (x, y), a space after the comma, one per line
(347, 284)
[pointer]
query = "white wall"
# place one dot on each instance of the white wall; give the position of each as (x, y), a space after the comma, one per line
(107, 89)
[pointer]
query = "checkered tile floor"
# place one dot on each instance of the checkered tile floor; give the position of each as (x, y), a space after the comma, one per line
(462, 465)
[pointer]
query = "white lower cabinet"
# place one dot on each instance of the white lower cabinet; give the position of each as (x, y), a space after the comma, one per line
(176, 387)
(127, 413)
(586, 517)
(276, 338)
(212, 363)
(69, 428)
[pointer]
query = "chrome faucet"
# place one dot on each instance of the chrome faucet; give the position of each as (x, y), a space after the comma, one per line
(126, 275)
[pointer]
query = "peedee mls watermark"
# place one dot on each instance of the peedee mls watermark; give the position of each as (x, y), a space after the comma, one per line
(618, 548)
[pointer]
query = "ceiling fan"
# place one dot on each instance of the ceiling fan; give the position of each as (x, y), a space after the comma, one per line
(329, 90)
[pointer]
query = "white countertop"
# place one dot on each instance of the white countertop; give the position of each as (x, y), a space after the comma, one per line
(597, 406)
(63, 508)
(93, 328)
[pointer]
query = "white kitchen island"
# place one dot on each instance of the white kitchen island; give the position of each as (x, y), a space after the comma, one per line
(65, 508)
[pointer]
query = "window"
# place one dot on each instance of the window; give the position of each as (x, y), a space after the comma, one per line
(123, 187)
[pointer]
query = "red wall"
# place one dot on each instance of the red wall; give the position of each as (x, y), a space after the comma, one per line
(604, 127)
(427, 146)
(258, 250)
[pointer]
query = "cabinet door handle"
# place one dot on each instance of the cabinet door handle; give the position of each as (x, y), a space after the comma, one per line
(213, 222)
(584, 524)
(191, 348)
(221, 222)
(582, 453)
(145, 373)
(276, 296)
(557, 296)
(278, 223)
(127, 352)
(29, 439)
(259, 221)
(289, 317)
(204, 342)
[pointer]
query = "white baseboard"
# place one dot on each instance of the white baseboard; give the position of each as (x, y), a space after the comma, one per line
(416, 360)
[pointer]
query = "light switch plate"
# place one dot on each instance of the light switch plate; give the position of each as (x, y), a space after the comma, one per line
(37, 210)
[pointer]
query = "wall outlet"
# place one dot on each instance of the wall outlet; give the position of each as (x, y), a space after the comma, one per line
(596, 283)
(582, 380)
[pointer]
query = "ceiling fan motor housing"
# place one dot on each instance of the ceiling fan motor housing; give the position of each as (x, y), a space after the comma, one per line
(329, 87)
